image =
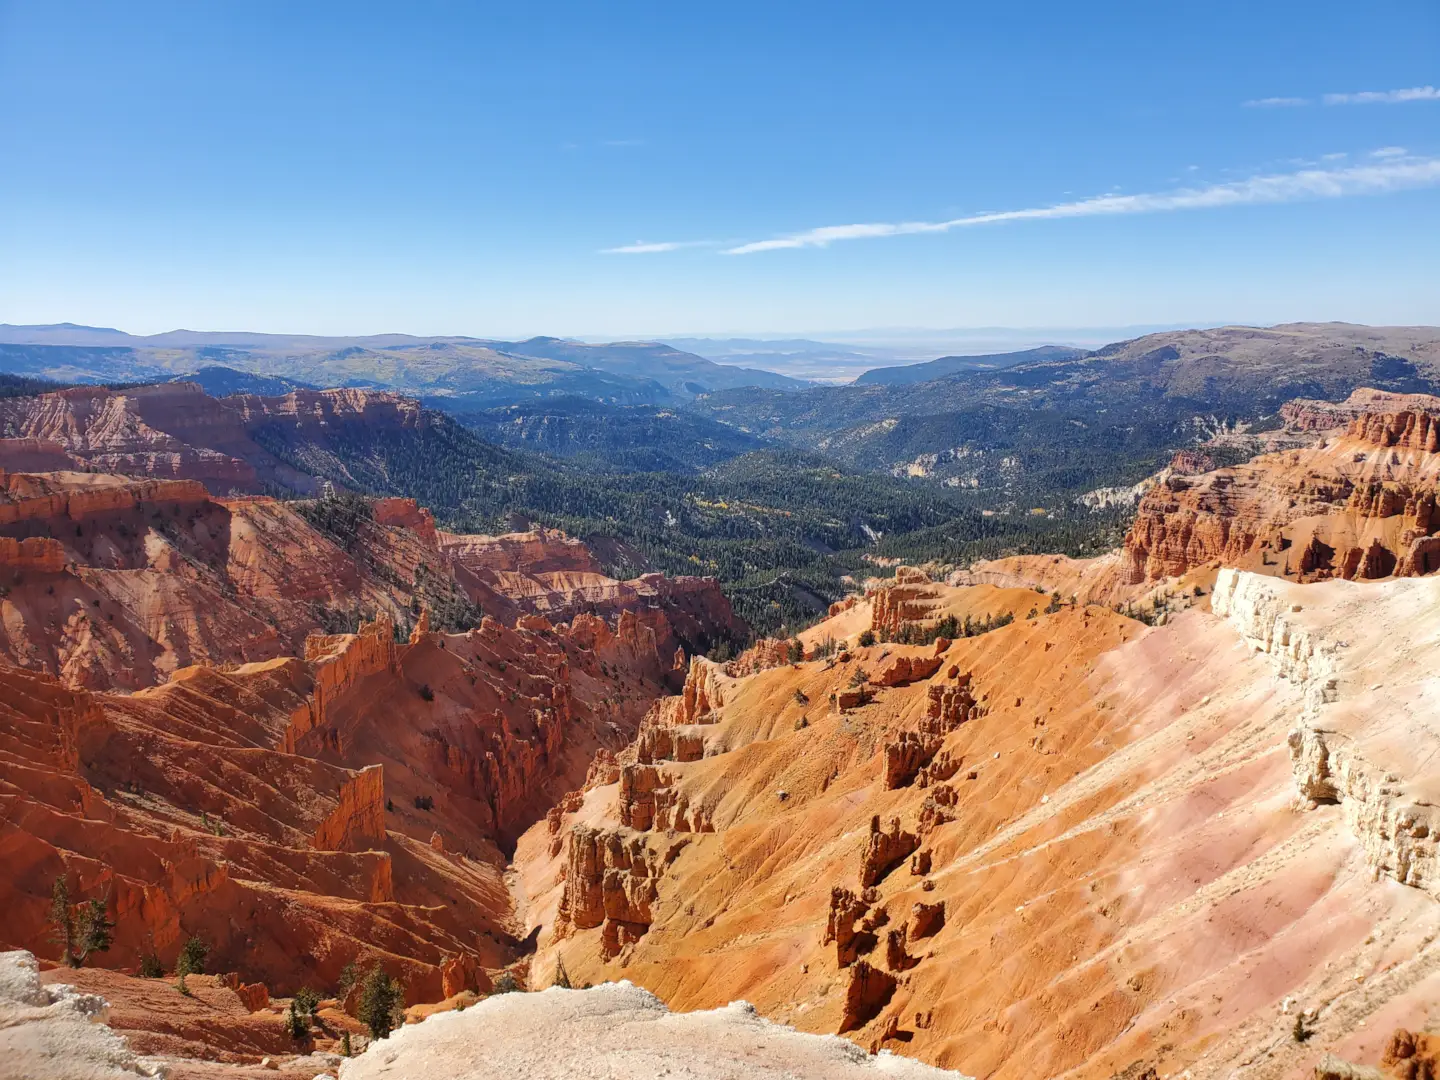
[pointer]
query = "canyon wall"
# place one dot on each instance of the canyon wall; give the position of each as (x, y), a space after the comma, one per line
(1078, 846)
(1358, 503)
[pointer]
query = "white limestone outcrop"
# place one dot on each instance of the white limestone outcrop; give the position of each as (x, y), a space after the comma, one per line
(1367, 658)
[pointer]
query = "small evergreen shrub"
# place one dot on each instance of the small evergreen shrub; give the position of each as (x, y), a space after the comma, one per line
(192, 957)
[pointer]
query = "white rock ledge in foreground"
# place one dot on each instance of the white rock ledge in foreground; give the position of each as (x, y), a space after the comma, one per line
(617, 1032)
(56, 1032)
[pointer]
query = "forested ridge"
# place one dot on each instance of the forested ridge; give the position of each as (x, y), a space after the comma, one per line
(780, 528)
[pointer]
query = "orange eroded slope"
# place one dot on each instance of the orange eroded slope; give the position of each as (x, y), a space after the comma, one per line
(1105, 862)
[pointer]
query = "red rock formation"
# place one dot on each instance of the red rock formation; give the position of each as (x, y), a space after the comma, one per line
(1095, 890)
(358, 823)
(233, 805)
(38, 553)
(176, 431)
(189, 834)
(254, 996)
(907, 601)
(528, 554)
(611, 881)
(896, 945)
(603, 770)
(948, 705)
(846, 908)
(74, 497)
(165, 430)
(937, 809)
(868, 991)
(546, 572)
(926, 920)
(900, 669)
(638, 784)
(36, 455)
(1306, 415)
(1359, 504)
(765, 653)
(460, 973)
(407, 514)
(1412, 1055)
(905, 756)
(339, 661)
(156, 576)
(658, 742)
(648, 800)
(700, 696)
(884, 849)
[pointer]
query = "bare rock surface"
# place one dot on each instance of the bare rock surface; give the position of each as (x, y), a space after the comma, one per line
(617, 1032)
(55, 1032)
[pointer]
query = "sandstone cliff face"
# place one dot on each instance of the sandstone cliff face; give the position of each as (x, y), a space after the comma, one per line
(177, 431)
(548, 573)
(311, 795)
(339, 662)
(117, 582)
(358, 823)
(26, 497)
(168, 430)
(1357, 504)
(36, 455)
(1307, 415)
(407, 514)
(38, 553)
(906, 601)
(611, 882)
(297, 811)
(172, 809)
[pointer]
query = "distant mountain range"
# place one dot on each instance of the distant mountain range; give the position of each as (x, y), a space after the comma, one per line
(457, 372)
(841, 356)
(1079, 420)
(1031, 428)
(951, 365)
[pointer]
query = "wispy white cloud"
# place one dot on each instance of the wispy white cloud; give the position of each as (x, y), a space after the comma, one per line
(1363, 97)
(1307, 184)
(1389, 152)
(1385, 97)
(642, 248)
(1277, 103)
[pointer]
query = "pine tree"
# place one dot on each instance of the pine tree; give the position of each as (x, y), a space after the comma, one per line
(380, 1000)
(61, 921)
(92, 932)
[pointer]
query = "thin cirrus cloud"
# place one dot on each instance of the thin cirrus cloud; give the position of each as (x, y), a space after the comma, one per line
(1385, 97)
(1277, 103)
(643, 248)
(1363, 97)
(1390, 171)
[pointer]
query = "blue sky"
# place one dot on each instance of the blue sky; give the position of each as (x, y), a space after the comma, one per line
(472, 168)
